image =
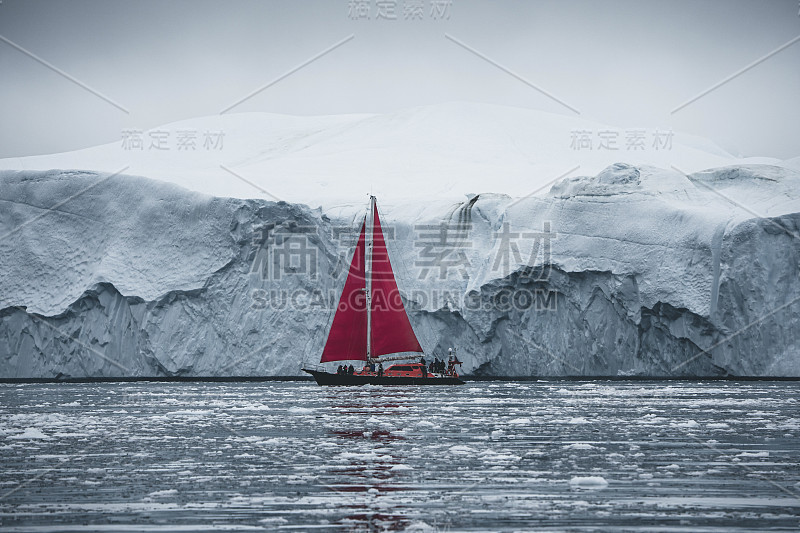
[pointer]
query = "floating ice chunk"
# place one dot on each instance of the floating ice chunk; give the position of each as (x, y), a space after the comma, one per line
(754, 454)
(579, 446)
(366, 457)
(163, 493)
(652, 419)
(301, 410)
(420, 527)
(30, 433)
(276, 441)
(461, 450)
(588, 482)
(578, 420)
(493, 457)
(273, 521)
(189, 412)
(250, 407)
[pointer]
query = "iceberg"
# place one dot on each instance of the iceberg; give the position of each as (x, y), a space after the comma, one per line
(644, 272)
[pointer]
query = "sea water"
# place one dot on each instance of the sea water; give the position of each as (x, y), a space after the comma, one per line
(485, 456)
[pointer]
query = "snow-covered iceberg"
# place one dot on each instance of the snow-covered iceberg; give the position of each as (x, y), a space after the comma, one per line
(635, 271)
(435, 151)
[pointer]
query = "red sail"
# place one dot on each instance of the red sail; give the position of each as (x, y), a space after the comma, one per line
(348, 336)
(391, 329)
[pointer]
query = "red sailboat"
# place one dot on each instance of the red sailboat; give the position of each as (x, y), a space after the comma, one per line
(371, 324)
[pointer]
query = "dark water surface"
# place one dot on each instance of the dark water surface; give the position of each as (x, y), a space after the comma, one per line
(511, 456)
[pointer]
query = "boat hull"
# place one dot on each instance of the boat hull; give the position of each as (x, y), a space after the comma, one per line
(326, 378)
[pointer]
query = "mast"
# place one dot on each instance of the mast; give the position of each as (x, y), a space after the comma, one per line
(368, 272)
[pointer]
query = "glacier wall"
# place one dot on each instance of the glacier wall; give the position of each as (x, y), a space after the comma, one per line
(643, 271)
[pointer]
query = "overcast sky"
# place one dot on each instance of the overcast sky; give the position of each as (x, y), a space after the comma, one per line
(624, 63)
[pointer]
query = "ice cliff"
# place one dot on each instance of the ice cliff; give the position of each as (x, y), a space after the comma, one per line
(635, 271)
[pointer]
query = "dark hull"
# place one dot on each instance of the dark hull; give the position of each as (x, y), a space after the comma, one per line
(325, 378)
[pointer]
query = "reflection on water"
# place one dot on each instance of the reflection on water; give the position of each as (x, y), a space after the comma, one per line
(575, 456)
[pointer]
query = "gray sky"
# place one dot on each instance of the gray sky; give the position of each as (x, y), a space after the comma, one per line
(625, 63)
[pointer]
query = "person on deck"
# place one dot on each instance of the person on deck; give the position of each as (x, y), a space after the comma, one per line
(350, 370)
(340, 370)
(380, 370)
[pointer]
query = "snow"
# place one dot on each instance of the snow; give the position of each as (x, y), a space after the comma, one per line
(437, 151)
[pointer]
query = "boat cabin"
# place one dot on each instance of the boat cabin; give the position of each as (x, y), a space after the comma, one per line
(409, 370)
(412, 370)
